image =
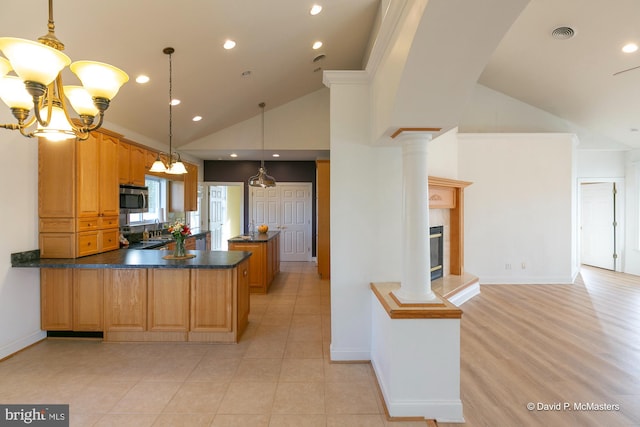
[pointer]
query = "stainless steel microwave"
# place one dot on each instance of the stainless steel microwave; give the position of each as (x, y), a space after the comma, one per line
(134, 199)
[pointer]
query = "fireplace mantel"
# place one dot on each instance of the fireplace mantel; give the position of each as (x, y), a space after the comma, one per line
(446, 193)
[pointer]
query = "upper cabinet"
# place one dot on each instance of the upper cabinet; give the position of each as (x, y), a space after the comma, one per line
(191, 188)
(131, 163)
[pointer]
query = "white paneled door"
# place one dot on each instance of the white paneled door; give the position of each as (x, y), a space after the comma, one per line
(285, 207)
(598, 230)
(217, 207)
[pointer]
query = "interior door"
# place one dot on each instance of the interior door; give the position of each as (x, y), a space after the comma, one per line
(597, 228)
(285, 207)
(217, 203)
(295, 223)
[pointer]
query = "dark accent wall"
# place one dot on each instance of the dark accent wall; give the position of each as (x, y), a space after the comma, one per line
(282, 171)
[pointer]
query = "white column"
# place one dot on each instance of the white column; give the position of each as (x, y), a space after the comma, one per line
(415, 286)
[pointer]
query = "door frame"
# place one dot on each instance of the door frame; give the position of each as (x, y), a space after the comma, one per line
(204, 216)
(620, 218)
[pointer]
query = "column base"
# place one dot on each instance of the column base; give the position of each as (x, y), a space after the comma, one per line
(426, 300)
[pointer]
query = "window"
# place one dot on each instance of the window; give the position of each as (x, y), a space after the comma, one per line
(195, 216)
(157, 202)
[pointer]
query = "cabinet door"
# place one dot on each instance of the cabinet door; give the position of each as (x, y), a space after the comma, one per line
(87, 243)
(212, 300)
(125, 299)
(108, 240)
(137, 164)
(242, 272)
(87, 299)
(56, 178)
(123, 163)
(257, 263)
(56, 299)
(168, 299)
(191, 188)
(108, 165)
(88, 176)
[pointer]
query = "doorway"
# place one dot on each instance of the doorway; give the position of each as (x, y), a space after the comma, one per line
(600, 224)
(285, 208)
(225, 213)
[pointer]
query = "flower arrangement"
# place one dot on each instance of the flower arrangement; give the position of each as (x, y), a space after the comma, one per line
(179, 230)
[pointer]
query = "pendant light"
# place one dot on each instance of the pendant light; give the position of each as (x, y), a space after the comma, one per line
(262, 179)
(174, 165)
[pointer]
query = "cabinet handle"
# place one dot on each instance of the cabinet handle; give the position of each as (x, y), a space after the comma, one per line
(245, 272)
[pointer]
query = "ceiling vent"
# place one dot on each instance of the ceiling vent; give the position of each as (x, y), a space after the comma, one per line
(563, 33)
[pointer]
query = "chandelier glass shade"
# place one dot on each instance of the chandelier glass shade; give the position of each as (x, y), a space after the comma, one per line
(38, 86)
(262, 179)
(174, 165)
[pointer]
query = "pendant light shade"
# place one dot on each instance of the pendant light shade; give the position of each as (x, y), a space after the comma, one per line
(262, 179)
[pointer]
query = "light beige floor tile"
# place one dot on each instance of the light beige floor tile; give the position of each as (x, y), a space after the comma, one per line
(224, 420)
(197, 397)
(183, 420)
(147, 397)
(83, 420)
(99, 397)
(266, 348)
(248, 398)
(350, 398)
(303, 350)
(212, 369)
(305, 370)
(126, 420)
(347, 372)
(258, 370)
(358, 421)
(299, 398)
(309, 420)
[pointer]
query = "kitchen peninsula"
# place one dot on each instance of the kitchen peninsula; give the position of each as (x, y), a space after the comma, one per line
(264, 264)
(137, 295)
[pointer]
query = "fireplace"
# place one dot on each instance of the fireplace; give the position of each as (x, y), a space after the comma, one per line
(436, 239)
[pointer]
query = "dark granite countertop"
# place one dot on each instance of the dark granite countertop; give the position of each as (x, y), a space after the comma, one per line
(257, 237)
(133, 258)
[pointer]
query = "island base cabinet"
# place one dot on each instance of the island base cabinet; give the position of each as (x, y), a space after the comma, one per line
(71, 300)
(214, 295)
(168, 294)
(125, 304)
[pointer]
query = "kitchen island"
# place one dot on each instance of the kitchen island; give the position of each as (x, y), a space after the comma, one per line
(264, 264)
(138, 295)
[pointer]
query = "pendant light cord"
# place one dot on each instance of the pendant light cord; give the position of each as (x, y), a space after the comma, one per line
(262, 105)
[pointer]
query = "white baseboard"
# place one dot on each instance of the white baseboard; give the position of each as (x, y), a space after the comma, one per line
(24, 342)
(349, 354)
(465, 295)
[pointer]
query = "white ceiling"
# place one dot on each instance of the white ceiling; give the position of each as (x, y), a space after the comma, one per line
(572, 79)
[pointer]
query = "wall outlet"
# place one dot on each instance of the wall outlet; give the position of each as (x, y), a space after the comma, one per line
(507, 266)
(524, 265)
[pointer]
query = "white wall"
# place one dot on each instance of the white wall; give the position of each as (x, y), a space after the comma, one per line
(19, 288)
(520, 208)
(632, 181)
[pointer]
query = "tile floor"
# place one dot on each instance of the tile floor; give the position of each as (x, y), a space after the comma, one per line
(278, 375)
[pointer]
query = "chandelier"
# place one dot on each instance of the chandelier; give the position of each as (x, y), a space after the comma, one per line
(174, 163)
(38, 87)
(262, 179)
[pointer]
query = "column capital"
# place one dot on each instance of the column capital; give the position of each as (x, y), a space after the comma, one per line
(402, 132)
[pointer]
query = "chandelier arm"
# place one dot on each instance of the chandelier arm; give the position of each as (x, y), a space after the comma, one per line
(38, 103)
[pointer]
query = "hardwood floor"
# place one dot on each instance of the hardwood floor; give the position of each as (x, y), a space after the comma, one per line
(565, 345)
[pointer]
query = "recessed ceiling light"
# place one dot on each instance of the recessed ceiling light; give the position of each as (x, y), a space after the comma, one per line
(317, 45)
(629, 48)
(175, 102)
(142, 79)
(246, 73)
(229, 44)
(197, 118)
(275, 155)
(315, 9)
(234, 155)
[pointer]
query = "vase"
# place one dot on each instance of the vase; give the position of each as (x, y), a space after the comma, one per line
(179, 251)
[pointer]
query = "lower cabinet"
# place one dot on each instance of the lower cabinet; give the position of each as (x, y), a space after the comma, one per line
(264, 263)
(138, 304)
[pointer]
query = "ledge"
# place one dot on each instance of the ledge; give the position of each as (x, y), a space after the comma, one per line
(445, 310)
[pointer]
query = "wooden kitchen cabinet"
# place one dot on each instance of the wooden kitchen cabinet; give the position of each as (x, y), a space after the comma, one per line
(87, 299)
(71, 299)
(131, 163)
(323, 185)
(191, 188)
(78, 200)
(264, 263)
(168, 293)
(125, 300)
